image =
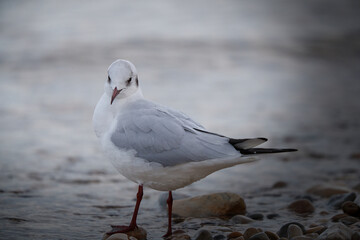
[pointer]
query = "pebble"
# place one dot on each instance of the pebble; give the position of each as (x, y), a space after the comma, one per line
(256, 216)
(355, 156)
(271, 235)
(219, 237)
(301, 238)
(272, 215)
(349, 220)
(211, 205)
(203, 234)
(234, 235)
(279, 184)
(350, 208)
(118, 236)
(338, 231)
(294, 231)
(139, 233)
(250, 232)
(302, 206)
(306, 196)
(323, 213)
(259, 236)
(339, 216)
(283, 232)
(327, 190)
(356, 187)
(241, 219)
(337, 200)
(180, 235)
(317, 229)
(239, 238)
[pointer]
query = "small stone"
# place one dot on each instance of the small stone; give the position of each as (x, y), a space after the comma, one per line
(339, 216)
(250, 232)
(138, 233)
(256, 216)
(355, 236)
(302, 206)
(203, 234)
(349, 220)
(178, 231)
(350, 208)
(259, 236)
(234, 235)
(283, 232)
(294, 230)
(355, 156)
(118, 236)
(239, 238)
(356, 187)
(323, 213)
(313, 225)
(219, 237)
(180, 235)
(306, 196)
(212, 205)
(337, 200)
(279, 184)
(338, 231)
(301, 238)
(327, 190)
(271, 235)
(272, 215)
(241, 219)
(317, 229)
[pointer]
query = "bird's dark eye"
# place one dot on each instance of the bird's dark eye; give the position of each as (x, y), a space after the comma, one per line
(109, 79)
(128, 82)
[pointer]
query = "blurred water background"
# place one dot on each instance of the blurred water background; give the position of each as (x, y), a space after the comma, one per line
(288, 71)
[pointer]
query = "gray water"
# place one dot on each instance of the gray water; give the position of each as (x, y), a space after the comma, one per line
(288, 71)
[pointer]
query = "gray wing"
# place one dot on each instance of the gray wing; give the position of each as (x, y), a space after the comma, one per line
(166, 136)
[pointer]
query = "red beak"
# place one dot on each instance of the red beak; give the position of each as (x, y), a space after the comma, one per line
(115, 93)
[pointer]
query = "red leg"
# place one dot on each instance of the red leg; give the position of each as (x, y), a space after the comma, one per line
(132, 226)
(169, 203)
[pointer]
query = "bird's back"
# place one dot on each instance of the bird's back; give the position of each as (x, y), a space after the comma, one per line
(166, 136)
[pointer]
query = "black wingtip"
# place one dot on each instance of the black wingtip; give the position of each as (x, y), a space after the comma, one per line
(266, 150)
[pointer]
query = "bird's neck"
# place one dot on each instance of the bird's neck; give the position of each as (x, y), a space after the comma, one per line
(105, 112)
(133, 97)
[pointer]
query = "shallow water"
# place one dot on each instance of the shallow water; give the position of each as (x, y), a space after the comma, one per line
(289, 73)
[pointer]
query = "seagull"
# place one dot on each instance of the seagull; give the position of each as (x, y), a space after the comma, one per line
(159, 147)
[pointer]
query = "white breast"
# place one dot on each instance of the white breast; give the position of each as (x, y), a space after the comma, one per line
(102, 117)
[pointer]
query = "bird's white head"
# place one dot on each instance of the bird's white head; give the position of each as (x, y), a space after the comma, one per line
(122, 80)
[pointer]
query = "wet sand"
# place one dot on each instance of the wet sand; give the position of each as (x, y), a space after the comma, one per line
(287, 73)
